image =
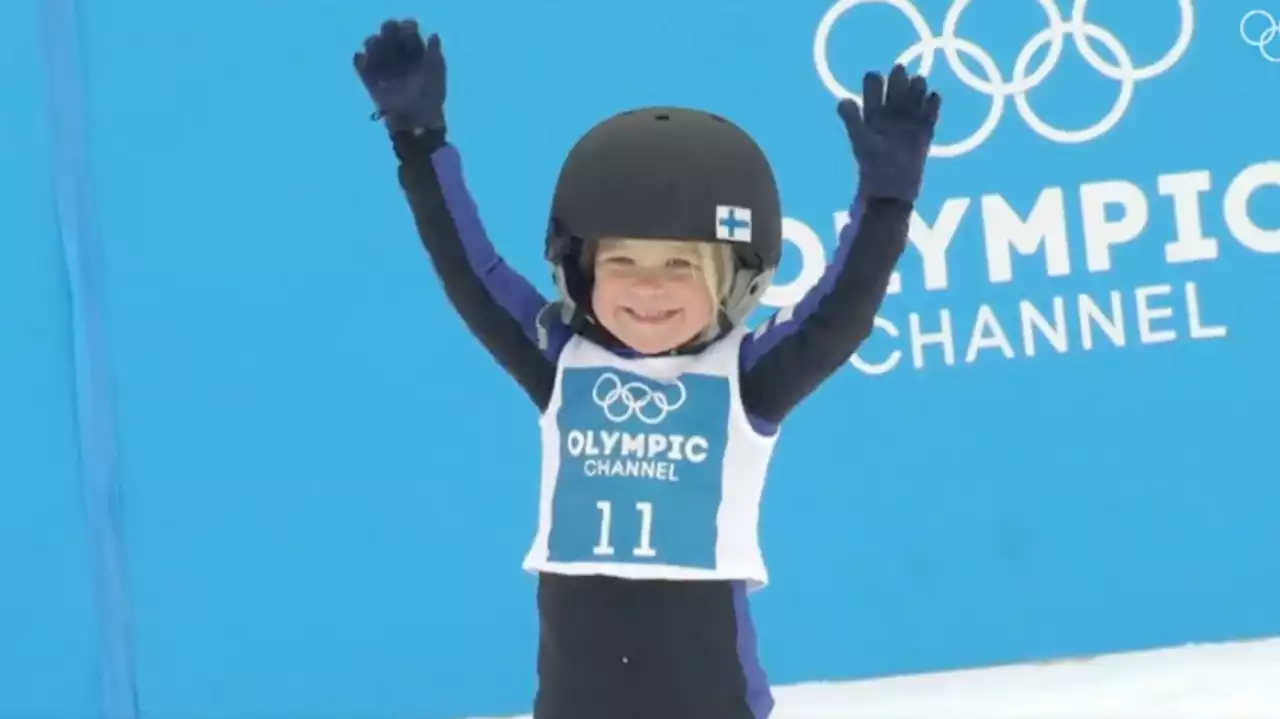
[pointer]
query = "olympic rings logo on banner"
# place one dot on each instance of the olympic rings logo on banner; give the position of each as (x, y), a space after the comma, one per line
(1262, 40)
(635, 399)
(1023, 78)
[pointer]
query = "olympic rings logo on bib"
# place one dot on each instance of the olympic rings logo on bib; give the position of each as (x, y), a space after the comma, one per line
(1023, 79)
(622, 401)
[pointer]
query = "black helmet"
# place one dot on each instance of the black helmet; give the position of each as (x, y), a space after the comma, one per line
(666, 173)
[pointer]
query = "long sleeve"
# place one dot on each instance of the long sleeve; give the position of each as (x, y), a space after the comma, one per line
(801, 345)
(504, 311)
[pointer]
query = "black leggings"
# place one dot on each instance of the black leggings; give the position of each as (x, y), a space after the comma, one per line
(632, 649)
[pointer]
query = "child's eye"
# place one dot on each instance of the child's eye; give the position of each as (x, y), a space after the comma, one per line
(679, 263)
(618, 261)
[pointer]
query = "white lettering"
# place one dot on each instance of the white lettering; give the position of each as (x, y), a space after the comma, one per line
(1235, 207)
(894, 357)
(611, 453)
(696, 449)
(1154, 317)
(987, 333)
(575, 442)
(1146, 314)
(1112, 326)
(933, 241)
(1044, 230)
(1099, 232)
(1005, 231)
(1190, 243)
(944, 337)
(1057, 334)
(1112, 213)
(677, 447)
(673, 447)
(632, 468)
(633, 444)
(1195, 328)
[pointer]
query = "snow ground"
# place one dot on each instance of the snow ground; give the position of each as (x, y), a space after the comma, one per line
(1216, 681)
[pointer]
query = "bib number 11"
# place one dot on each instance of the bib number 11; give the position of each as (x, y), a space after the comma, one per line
(644, 549)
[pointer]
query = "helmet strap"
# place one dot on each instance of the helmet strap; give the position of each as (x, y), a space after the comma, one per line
(744, 293)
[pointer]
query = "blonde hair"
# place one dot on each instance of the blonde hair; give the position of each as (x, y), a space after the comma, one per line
(717, 269)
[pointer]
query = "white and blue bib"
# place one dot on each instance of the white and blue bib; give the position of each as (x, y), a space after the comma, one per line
(650, 468)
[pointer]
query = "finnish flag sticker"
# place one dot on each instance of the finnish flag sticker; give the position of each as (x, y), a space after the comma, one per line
(733, 224)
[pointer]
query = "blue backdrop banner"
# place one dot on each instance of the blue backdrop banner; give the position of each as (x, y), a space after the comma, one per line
(1058, 440)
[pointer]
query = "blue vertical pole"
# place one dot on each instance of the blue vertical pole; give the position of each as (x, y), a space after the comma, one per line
(95, 415)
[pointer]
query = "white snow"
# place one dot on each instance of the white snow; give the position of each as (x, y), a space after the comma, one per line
(1216, 681)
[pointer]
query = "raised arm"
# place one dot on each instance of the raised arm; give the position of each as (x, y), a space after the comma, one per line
(505, 312)
(802, 345)
(500, 307)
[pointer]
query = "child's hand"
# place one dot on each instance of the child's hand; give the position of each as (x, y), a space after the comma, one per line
(405, 78)
(892, 134)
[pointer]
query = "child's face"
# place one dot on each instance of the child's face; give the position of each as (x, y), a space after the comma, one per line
(653, 295)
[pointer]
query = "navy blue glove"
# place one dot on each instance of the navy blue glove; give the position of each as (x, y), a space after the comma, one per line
(404, 76)
(892, 134)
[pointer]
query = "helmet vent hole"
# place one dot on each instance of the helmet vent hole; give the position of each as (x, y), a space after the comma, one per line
(663, 116)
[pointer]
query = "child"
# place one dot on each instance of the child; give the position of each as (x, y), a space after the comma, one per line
(659, 410)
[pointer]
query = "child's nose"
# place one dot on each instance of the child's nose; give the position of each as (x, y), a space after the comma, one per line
(647, 286)
(648, 279)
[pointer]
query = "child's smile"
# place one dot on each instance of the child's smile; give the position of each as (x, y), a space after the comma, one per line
(652, 317)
